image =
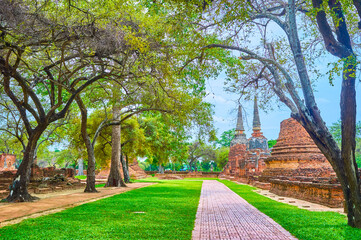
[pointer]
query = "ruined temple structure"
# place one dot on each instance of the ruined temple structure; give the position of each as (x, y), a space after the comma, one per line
(297, 168)
(246, 156)
(135, 171)
(42, 180)
(7, 162)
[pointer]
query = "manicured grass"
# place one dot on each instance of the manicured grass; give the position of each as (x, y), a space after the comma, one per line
(80, 177)
(149, 179)
(301, 223)
(155, 179)
(169, 213)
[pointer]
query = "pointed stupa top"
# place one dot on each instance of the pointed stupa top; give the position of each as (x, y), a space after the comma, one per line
(240, 136)
(239, 126)
(256, 121)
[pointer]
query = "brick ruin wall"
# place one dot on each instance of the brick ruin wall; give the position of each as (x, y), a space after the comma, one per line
(7, 162)
(42, 180)
(135, 171)
(243, 165)
(38, 173)
(296, 168)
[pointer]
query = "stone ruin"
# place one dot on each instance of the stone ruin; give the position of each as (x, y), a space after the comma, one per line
(135, 171)
(42, 180)
(295, 167)
(7, 162)
(246, 156)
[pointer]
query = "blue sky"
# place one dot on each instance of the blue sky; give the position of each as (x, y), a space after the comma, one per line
(225, 106)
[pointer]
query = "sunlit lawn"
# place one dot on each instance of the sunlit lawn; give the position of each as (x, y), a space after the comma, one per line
(167, 210)
(301, 223)
(162, 211)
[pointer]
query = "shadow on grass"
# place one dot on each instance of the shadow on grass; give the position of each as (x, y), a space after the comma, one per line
(163, 211)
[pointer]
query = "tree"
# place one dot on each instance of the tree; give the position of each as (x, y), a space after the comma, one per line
(222, 157)
(199, 151)
(226, 138)
(132, 143)
(271, 143)
(165, 138)
(49, 54)
(267, 67)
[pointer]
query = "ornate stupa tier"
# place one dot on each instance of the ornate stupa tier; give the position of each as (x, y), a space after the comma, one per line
(239, 126)
(257, 141)
(295, 149)
(256, 121)
(240, 136)
(239, 139)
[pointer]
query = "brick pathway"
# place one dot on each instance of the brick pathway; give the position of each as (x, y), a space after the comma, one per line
(222, 214)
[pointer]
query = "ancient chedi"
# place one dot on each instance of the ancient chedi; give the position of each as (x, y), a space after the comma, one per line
(246, 156)
(297, 168)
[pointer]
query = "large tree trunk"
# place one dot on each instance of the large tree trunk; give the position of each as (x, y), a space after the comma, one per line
(349, 180)
(90, 180)
(115, 177)
(348, 145)
(344, 163)
(19, 187)
(125, 168)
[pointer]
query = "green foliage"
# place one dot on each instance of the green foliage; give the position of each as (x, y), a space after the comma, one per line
(165, 138)
(271, 143)
(169, 210)
(301, 223)
(131, 44)
(200, 155)
(226, 138)
(59, 159)
(222, 157)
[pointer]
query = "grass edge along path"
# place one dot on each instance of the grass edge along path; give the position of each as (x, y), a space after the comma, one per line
(301, 223)
(166, 210)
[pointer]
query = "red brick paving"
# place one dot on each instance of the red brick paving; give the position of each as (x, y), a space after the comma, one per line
(222, 214)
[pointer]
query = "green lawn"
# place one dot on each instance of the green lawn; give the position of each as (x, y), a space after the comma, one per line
(170, 208)
(301, 223)
(80, 177)
(169, 212)
(155, 179)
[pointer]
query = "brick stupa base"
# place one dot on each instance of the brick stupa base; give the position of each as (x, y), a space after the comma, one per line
(297, 168)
